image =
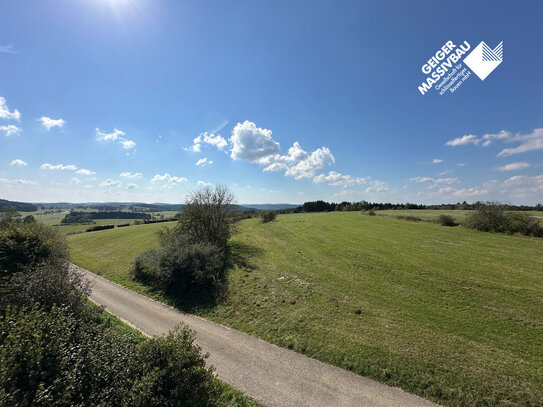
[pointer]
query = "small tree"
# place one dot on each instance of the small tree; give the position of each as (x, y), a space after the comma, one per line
(204, 216)
(267, 216)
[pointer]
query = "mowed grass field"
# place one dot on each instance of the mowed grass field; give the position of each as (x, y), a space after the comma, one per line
(451, 314)
(433, 214)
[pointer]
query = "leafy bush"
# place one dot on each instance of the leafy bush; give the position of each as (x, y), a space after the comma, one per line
(173, 373)
(51, 358)
(30, 245)
(492, 217)
(446, 220)
(99, 227)
(371, 212)
(268, 216)
(204, 218)
(192, 255)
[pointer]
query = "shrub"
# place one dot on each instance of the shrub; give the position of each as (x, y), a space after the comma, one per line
(204, 218)
(146, 268)
(371, 212)
(492, 217)
(489, 217)
(268, 216)
(30, 245)
(99, 227)
(446, 220)
(525, 224)
(173, 373)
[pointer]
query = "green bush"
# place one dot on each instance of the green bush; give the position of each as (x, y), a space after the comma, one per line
(492, 217)
(30, 245)
(371, 212)
(173, 373)
(267, 216)
(446, 220)
(146, 266)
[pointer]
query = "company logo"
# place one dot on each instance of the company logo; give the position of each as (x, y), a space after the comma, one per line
(483, 60)
(447, 69)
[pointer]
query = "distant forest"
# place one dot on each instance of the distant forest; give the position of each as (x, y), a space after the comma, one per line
(322, 206)
(18, 206)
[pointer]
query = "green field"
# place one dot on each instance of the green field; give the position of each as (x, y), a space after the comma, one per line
(452, 314)
(433, 214)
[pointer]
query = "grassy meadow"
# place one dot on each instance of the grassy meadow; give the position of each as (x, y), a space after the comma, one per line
(452, 314)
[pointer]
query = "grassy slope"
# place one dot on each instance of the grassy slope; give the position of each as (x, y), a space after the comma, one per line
(448, 313)
(433, 214)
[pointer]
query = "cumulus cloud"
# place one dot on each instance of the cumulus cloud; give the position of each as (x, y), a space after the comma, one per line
(377, 186)
(203, 184)
(61, 167)
(469, 192)
(203, 162)
(338, 179)
(131, 175)
(437, 161)
(523, 185)
(317, 160)
(5, 113)
(110, 183)
(168, 178)
(83, 171)
(117, 136)
(513, 167)
(18, 162)
(131, 185)
(49, 123)
(252, 143)
(10, 130)
(208, 138)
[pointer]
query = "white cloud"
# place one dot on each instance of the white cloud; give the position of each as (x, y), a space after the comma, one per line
(18, 162)
(168, 178)
(203, 184)
(10, 130)
(513, 167)
(252, 143)
(462, 141)
(208, 138)
(377, 186)
(528, 142)
(203, 162)
(131, 175)
(337, 179)
(83, 171)
(49, 123)
(469, 192)
(437, 161)
(131, 185)
(445, 172)
(75, 180)
(523, 185)
(117, 136)
(110, 183)
(62, 167)
(5, 113)
(420, 180)
(317, 160)
(18, 181)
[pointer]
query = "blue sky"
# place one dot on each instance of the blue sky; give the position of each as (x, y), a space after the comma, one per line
(118, 100)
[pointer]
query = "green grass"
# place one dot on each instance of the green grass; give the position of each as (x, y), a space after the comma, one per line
(433, 214)
(452, 314)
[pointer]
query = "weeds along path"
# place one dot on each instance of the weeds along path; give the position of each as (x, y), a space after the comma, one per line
(271, 375)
